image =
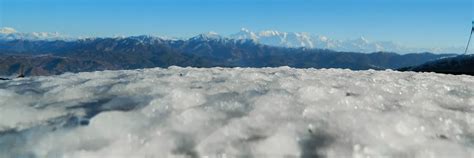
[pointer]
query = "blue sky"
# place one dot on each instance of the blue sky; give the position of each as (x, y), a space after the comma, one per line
(418, 23)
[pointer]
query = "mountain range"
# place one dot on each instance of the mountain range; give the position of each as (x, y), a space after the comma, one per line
(308, 40)
(51, 57)
(8, 33)
(271, 38)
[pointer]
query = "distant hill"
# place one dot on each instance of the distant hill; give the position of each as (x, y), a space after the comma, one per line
(58, 56)
(462, 64)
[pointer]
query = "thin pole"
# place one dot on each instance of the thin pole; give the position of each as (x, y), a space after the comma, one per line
(468, 42)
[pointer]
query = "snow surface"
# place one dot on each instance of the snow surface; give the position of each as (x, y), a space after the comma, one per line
(271, 112)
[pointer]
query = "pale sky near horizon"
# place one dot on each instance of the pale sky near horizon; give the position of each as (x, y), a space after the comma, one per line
(417, 23)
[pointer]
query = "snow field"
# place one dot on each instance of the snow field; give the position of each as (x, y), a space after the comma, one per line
(240, 112)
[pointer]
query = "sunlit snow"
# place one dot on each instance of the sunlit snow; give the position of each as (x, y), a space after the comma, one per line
(227, 113)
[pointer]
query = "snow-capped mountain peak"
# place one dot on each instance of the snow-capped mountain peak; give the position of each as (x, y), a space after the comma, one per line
(243, 29)
(272, 33)
(362, 39)
(308, 40)
(245, 34)
(7, 30)
(207, 36)
(276, 38)
(8, 33)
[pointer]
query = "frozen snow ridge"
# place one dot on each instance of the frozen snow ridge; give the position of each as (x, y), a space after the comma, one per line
(218, 112)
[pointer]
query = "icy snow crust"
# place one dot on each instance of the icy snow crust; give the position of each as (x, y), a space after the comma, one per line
(272, 112)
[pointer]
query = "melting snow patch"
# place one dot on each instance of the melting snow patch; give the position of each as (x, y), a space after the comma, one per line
(218, 112)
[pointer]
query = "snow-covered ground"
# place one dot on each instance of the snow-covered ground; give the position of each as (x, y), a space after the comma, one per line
(274, 112)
